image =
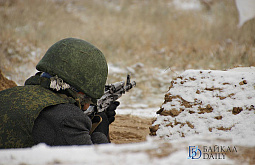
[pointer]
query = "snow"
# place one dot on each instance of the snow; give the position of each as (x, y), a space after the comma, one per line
(187, 4)
(150, 152)
(224, 91)
(115, 69)
(141, 112)
(245, 10)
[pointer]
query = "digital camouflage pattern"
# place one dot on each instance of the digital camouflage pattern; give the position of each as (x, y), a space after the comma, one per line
(79, 64)
(19, 107)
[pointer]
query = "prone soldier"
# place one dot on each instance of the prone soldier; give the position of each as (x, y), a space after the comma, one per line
(50, 107)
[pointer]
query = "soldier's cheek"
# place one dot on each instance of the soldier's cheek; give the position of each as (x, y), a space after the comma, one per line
(86, 106)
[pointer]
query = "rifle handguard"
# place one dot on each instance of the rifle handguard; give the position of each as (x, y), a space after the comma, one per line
(112, 93)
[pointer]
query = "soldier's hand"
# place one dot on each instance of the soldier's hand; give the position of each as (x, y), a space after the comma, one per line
(103, 126)
(110, 111)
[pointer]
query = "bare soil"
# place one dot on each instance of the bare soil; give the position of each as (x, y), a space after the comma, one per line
(129, 129)
(5, 83)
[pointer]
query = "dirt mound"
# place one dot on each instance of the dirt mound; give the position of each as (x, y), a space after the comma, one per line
(217, 103)
(5, 83)
(129, 129)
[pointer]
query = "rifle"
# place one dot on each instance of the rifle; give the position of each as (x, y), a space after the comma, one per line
(112, 93)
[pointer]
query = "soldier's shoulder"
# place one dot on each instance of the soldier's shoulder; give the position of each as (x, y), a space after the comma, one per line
(29, 96)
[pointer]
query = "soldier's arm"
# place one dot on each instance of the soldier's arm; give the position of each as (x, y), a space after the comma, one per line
(64, 124)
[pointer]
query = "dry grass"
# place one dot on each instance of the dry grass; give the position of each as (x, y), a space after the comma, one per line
(130, 31)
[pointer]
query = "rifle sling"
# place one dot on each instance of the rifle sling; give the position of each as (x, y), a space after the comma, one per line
(97, 119)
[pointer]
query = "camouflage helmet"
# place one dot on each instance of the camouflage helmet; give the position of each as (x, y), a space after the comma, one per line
(78, 63)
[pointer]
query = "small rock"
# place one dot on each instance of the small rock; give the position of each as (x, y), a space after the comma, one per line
(237, 110)
(218, 117)
(243, 82)
(153, 129)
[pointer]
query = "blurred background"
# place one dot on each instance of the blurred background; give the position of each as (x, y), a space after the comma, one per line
(151, 39)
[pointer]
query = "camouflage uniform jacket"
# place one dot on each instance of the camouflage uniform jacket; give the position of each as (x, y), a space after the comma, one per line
(32, 114)
(19, 107)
